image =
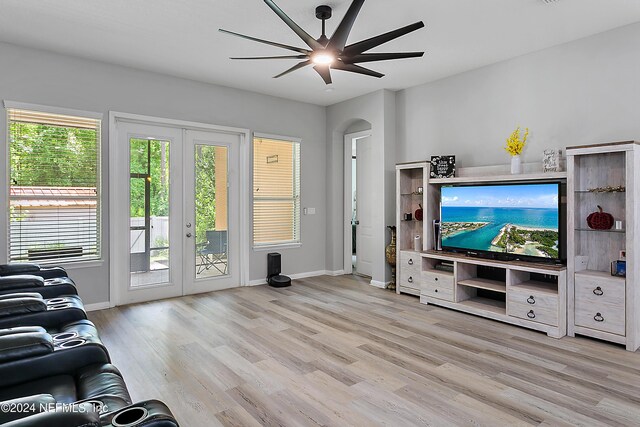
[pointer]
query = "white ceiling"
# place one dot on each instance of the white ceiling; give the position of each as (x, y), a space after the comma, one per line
(181, 38)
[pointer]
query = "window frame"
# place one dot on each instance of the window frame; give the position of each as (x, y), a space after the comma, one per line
(70, 263)
(275, 245)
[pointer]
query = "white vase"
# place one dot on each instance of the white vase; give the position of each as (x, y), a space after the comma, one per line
(516, 165)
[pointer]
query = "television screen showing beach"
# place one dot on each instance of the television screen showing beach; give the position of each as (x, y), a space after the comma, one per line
(517, 219)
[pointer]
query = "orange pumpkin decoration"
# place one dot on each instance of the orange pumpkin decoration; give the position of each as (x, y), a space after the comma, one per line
(600, 220)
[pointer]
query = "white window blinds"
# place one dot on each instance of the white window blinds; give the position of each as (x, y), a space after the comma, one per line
(276, 192)
(54, 200)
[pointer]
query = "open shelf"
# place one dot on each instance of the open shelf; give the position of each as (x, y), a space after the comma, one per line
(537, 286)
(487, 304)
(598, 192)
(551, 176)
(488, 284)
(611, 230)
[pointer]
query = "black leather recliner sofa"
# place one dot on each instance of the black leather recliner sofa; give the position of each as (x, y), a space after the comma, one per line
(33, 269)
(48, 288)
(30, 309)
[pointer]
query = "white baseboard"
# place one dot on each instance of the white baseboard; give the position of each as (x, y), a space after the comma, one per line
(258, 282)
(335, 273)
(97, 306)
(377, 284)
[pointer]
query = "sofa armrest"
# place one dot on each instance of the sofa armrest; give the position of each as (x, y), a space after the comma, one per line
(14, 409)
(21, 305)
(20, 281)
(18, 268)
(21, 295)
(24, 345)
(67, 418)
(21, 330)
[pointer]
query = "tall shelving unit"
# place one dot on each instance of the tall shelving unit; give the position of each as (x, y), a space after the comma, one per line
(410, 177)
(601, 305)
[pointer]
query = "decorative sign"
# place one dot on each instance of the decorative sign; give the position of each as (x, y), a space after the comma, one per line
(551, 160)
(443, 167)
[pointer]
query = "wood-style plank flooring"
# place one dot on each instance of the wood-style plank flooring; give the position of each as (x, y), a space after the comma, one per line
(336, 351)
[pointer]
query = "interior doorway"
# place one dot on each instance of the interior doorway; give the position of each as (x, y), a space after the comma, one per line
(358, 230)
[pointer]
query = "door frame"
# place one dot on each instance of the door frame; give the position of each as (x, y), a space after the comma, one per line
(115, 208)
(348, 242)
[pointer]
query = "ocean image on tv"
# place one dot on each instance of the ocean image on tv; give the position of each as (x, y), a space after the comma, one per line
(516, 219)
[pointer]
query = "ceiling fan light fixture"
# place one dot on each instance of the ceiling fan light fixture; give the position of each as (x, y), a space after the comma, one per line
(323, 58)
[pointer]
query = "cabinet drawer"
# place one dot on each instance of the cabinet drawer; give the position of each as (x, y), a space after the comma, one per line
(600, 303)
(410, 278)
(437, 285)
(535, 313)
(410, 259)
(535, 299)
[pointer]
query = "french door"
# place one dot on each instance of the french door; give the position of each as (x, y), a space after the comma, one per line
(176, 208)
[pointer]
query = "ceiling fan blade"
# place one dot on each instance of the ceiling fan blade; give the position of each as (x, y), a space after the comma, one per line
(283, 46)
(274, 57)
(367, 44)
(339, 38)
(294, 68)
(371, 57)
(324, 72)
(310, 41)
(356, 69)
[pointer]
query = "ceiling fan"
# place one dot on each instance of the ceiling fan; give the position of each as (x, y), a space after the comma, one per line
(334, 53)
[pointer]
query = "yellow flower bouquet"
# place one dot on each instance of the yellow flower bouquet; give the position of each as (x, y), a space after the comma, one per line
(515, 145)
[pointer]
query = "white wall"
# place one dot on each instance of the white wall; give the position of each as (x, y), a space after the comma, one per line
(581, 92)
(39, 77)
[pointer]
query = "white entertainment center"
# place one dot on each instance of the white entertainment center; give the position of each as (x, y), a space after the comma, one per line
(579, 298)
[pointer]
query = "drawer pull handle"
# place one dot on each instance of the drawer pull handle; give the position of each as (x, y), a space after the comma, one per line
(410, 262)
(410, 279)
(598, 317)
(598, 291)
(436, 291)
(436, 279)
(531, 314)
(531, 300)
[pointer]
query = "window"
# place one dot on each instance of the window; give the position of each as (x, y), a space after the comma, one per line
(54, 200)
(276, 192)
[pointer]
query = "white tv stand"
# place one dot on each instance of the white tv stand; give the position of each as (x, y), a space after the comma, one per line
(521, 293)
(528, 294)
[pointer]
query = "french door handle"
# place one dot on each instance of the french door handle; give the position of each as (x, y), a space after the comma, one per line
(189, 234)
(188, 225)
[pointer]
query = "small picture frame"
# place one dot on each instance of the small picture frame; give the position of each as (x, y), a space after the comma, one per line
(443, 167)
(623, 255)
(420, 190)
(551, 160)
(619, 268)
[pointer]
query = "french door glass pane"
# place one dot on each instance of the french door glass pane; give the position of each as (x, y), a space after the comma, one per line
(211, 211)
(149, 212)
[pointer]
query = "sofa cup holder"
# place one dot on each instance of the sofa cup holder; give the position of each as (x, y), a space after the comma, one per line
(72, 343)
(60, 306)
(64, 336)
(130, 417)
(56, 301)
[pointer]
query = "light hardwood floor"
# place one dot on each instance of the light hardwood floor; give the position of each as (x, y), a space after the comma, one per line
(336, 351)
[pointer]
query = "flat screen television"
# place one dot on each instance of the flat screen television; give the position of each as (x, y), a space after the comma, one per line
(503, 221)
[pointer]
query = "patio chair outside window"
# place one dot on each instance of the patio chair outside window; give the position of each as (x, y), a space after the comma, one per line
(213, 253)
